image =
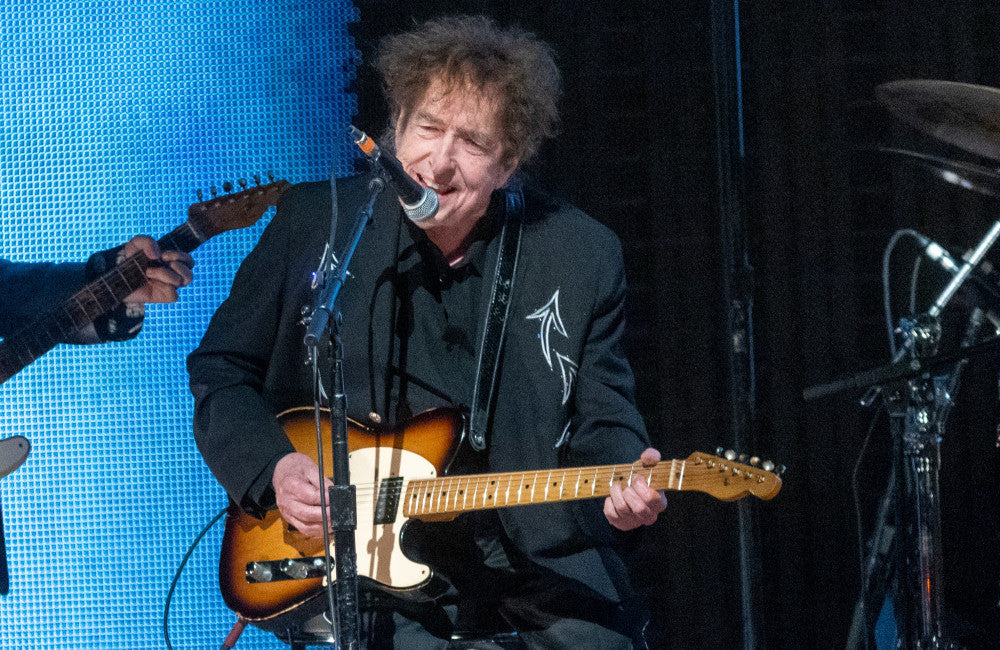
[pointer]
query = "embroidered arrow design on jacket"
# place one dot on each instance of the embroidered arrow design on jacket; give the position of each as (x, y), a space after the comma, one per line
(549, 318)
(551, 321)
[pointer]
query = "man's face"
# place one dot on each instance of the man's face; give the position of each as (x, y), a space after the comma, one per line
(451, 143)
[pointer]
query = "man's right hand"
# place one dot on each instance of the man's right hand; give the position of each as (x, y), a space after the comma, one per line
(296, 490)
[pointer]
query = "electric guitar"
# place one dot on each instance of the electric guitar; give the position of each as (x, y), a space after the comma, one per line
(267, 569)
(205, 220)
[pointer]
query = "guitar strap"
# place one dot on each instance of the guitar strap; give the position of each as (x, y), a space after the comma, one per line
(496, 314)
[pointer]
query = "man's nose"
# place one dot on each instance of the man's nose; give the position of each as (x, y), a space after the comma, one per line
(443, 156)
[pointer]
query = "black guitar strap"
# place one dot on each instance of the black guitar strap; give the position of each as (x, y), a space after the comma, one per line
(496, 315)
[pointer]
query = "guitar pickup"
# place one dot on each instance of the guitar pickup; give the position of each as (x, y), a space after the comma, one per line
(289, 569)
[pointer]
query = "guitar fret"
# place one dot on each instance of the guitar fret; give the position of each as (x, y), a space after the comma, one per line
(86, 304)
(182, 238)
(427, 504)
(23, 346)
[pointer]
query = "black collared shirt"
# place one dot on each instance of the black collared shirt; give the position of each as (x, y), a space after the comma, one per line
(439, 318)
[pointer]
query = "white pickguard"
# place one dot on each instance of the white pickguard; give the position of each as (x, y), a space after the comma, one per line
(379, 554)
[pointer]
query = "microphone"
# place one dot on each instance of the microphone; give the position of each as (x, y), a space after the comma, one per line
(983, 276)
(419, 202)
(937, 252)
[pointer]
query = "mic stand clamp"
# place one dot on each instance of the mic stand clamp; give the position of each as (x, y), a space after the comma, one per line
(342, 495)
(917, 415)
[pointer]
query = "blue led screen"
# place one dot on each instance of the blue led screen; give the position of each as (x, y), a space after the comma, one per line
(114, 113)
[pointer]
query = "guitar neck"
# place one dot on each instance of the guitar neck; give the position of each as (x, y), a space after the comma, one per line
(448, 496)
(184, 237)
(457, 494)
(205, 220)
(86, 305)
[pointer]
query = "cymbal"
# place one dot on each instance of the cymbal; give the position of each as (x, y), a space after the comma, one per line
(965, 115)
(966, 175)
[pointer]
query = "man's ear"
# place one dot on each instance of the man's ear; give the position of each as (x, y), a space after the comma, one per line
(509, 170)
(398, 127)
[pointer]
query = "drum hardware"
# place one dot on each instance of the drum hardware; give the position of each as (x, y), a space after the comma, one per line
(918, 398)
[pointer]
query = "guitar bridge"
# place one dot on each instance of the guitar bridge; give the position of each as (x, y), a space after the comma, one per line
(289, 569)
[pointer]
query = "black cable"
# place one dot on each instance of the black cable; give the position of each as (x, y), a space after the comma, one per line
(177, 575)
(856, 493)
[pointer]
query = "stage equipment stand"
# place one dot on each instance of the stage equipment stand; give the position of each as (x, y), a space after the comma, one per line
(918, 409)
(325, 318)
(737, 294)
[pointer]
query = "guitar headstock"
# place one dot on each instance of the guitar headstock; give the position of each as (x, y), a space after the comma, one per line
(235, 210)
(729, 477)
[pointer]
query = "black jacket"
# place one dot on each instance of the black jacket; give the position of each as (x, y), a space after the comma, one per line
(565, 389)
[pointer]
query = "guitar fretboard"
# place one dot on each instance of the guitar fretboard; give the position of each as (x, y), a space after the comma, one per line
(456, 494)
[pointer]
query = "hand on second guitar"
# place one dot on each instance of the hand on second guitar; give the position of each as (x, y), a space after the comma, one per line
(163, 279)
(638, 504)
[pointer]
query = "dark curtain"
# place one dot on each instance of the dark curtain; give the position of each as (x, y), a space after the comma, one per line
(638, 152)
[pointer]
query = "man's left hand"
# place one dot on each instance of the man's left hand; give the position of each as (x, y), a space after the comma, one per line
(638, 504)
(163, 279)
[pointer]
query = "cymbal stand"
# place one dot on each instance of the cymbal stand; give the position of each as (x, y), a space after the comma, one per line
(917, 415)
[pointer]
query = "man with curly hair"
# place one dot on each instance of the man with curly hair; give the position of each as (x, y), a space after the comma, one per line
(470, 103)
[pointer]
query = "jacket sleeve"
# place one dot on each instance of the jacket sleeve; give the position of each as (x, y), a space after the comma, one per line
(606, 426)
(234, 426)
(31, 290)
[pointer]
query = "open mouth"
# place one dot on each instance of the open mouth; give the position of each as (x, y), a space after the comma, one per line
(439, 190)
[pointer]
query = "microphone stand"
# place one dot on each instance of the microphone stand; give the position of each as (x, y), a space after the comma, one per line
(342, 495)
(917, 414)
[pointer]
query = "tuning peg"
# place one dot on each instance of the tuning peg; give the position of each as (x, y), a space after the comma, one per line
(718, 451)
(780, 469)
(270, 176)
(730, 454)
(256, 179)
(199, 194)
(213, 190)
(768, 466)
(754, 460)
(743, 458)
(227, 187)
(242, 182)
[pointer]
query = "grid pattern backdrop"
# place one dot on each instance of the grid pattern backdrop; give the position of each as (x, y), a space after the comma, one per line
(114, 113)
